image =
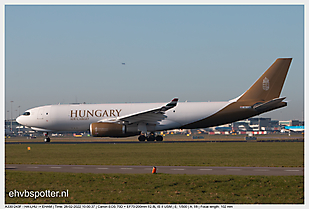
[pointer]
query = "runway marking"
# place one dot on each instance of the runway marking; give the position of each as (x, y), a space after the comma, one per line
(205, 169)
(178, 169)
(260, 170)
(233, 169)
(291, 170)
(126, 168)
(78, 167)
(55, 167)
(32, 167)
(102, 168)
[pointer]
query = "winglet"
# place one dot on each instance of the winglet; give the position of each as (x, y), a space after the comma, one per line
(169, 105)
(173, 103)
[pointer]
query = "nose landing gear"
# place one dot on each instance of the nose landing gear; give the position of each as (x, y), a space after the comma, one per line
(47, 139)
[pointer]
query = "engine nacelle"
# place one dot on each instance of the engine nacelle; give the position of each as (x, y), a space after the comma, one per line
(110, 130)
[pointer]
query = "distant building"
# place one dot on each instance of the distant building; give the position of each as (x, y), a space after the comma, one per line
(260, 124)
(284, 123)
(295, 123)
(243, 125)
(291, 123)
(264, 124)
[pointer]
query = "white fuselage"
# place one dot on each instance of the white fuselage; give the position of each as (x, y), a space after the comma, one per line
(78, 117)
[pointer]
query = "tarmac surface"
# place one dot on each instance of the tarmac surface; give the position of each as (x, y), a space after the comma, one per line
(268, 171)
(138, 142)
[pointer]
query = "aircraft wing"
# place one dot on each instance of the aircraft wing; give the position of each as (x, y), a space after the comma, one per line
(147, 116)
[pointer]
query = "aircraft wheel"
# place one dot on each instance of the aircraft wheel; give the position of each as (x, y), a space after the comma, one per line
(47, 139)
(151, 138)
(141, 138)
(159, 138)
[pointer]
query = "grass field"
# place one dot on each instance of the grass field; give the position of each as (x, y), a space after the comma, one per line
(157, 188)
(284, 154)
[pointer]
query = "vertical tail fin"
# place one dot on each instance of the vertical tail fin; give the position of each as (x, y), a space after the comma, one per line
(270, 84)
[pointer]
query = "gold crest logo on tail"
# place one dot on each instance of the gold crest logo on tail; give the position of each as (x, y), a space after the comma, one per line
(265, 84)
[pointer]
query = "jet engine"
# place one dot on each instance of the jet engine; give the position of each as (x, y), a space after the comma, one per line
(110, 130)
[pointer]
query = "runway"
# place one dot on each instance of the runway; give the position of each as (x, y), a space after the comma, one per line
(199, 170)
(138, 142)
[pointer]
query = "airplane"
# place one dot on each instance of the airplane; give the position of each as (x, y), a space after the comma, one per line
(145, 119)
(295, 128)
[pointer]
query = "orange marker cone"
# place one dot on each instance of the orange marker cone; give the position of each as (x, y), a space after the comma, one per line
(154, 169)
(28, 148)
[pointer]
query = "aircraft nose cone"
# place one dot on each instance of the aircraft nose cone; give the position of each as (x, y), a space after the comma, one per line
(18, 119)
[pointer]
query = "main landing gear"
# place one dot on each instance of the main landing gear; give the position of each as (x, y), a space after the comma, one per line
(150, 137)
(47, 139)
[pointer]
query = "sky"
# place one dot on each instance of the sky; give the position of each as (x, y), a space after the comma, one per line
(75, 53)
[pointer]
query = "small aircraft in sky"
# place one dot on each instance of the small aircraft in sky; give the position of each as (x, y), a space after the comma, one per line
(145, 119)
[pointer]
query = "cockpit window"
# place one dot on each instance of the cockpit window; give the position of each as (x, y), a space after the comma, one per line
(26, 113)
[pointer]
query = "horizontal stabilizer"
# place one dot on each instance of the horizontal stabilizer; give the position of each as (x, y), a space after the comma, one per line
(268, 104)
